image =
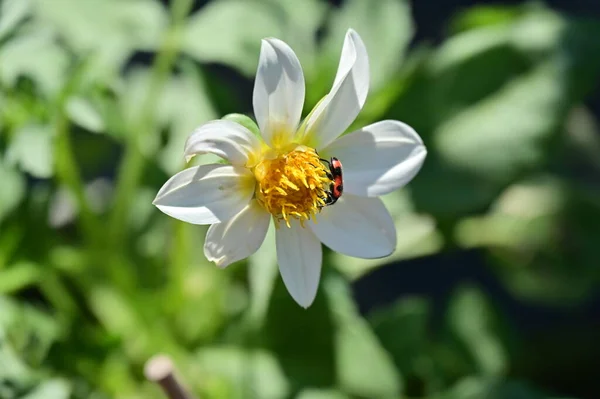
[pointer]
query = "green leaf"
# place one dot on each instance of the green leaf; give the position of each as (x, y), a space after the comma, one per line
(364, 368)
(263, 272)
(83, 112)
(506, 133)
(390, 19)
(107, 29)
(402, 330)
(12, 12)
(476, 388)
(245, 121)
(13, 190)
(32, 150)
(51, 389)
(484, 15)
(248, 23)
(18, 276)
(239, 44)
(321, 394)
(37, 56)
(233, 372)
(302, 340)
(471, 320)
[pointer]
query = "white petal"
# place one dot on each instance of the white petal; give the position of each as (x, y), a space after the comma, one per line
(378, 158)
(278, 91)
(299, 255)
(332, 116)
(237, 238)
(226, 139)
(206, 194)
(357, 226)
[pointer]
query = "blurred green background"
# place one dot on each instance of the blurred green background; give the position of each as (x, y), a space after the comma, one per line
(491, 293)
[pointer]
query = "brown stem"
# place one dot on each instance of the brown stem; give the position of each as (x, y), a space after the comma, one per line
(160, 369)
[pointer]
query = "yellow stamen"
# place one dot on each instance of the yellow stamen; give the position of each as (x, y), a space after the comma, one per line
(292, 184)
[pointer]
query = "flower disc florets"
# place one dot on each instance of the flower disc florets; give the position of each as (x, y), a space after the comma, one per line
(292, 184)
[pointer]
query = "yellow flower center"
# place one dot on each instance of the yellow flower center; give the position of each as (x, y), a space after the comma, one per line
(292, 184)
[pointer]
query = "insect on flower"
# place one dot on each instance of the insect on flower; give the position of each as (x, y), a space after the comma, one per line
(336, 188)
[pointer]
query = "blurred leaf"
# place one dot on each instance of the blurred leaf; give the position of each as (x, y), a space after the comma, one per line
(239, 45)
(37, 56)
(249, 22)
(13, 189)
(390, 19)
(302, 340)
(82, 112)
(579, 53)
(50, 389)
(364, 368)
(477, 388)
(108, 30)
(484, 15)
(263, 272)
(32, 150)
(18, 276)
(12, 12)
(321, 394)
(521, 218)
(206, 291)
(471, 320)
(506, 133)
(402, 330)
(244, 373)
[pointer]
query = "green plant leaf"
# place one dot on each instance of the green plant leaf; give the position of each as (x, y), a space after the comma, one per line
(233, 372)
(302, 340)
(32, 150)
(37, 56)
(389, 19)
(507, 132)
(50, 389)
(107, 29)
(321, 394)
(402, 330)
(84, 113)
(249, 23)
(364, 367)
(471, 320)
(12, 12)
(239, 45)
(263, 272)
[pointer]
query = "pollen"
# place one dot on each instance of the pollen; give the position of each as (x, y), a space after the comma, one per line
(292, 185)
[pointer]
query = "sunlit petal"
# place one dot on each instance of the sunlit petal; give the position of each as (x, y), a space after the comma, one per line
(339, 108)
(206, 194)
(278, 92)
(238, 237)
(357, 226)
(299, 255)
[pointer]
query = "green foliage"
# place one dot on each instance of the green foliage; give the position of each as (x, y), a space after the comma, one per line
(94, 280)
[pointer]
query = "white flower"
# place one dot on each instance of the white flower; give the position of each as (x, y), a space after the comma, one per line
(281, 178)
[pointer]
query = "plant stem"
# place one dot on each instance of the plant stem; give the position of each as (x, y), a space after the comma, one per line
(67, 170)
(131, 168)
